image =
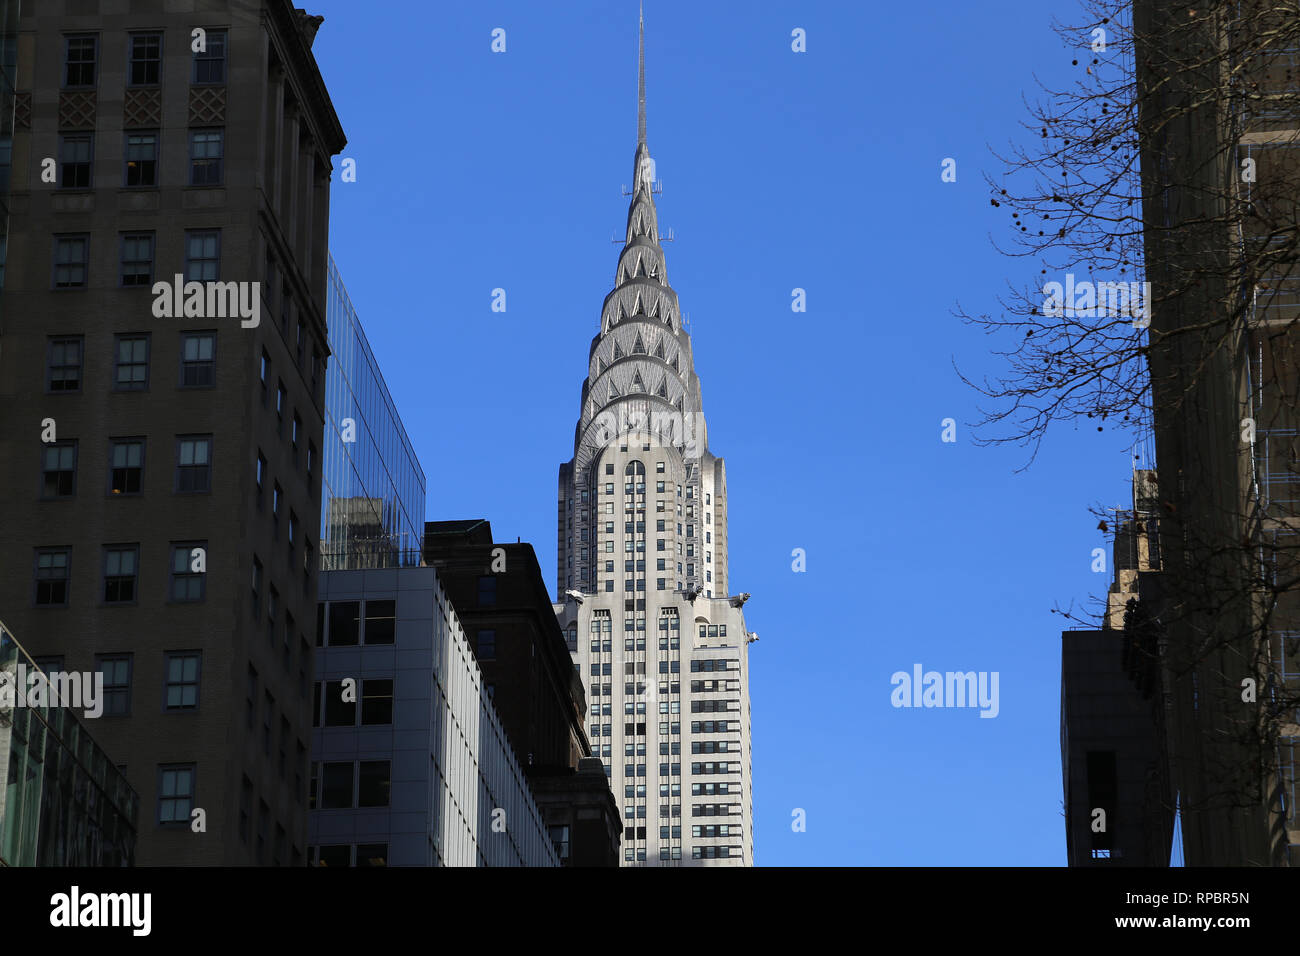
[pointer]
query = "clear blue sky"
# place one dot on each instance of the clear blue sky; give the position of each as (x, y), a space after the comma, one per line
(817, 170)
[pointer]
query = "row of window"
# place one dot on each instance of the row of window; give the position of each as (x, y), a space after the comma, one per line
(180, 688)
(65, 356)
(355, 854)
(144, 51)
(349, 784)
(263, 843)
(333, 707)
(345, 624)
(120, 574)
(126, 458)
(140, 159)
(137, 254)
(710, 767)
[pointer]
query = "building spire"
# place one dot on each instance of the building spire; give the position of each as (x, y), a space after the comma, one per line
(640, 89)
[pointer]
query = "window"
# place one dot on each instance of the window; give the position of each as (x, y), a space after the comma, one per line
(52, 577)
(137, 260)
(210, 63)
(59, 469)
(311, 456)
(121, 567)
(116, 669)
(202, 255)
(175, 793)
(372, 854)
(71, 261)
(76, 163)
(265, 373)
(79, 59)
(182, 689)
(487, 590)
(187, 571)
(487, 645)
(257, 586)
(126, 466)
(131, 363)
(145, 59)
(198, 359)
(295, 429)
(377, 701)
(344, 623)
(373, 783)
(63, 365)
(336, 786)
(193, 464)
(207, 156)
(381, 621)
(141, 158)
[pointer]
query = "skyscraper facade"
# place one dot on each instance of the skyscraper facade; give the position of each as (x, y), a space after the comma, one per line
(642, 569)
(162, 368)
(372, 488)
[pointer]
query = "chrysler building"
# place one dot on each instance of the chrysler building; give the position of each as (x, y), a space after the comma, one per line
(658, 639)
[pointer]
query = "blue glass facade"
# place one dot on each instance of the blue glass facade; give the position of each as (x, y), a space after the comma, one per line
(372, 488)
(63, 801)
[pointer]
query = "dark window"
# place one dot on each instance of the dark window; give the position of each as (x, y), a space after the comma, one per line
(487, 590)
(344, 626)
(377, 701)
(52, 577)
(1103, 792)
(487, 645)
(336, 786)
(338, 856)
(71, 261)
(210, 63)
(121, 570)
(198, 359)
(339, 712)
(257, 586)
(63, 365)
(207, 156)
(373, 783)
(182, 688)
(202, 255)
(137, 260)
(193, 463)
(372, 854)
(131, 363)
(126, 466)
(175, 793)
(187, 571)
(76, 160)
(116, 669)
(59, 469)
(381, 618)
(80, 56)
(145, 59)
(141, 160)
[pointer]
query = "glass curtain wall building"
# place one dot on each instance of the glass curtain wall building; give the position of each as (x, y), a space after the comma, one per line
(372, 493)
(62, 801)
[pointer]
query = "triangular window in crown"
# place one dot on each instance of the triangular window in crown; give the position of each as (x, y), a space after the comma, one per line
(613, 391)
(636, 307)
(654, 309)
(618, 351)
(619, 317)
(601, 366)
(675, 366)
(663, 388)
(659, 349)
(638, 347)
(637, 384)
(680, 407)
